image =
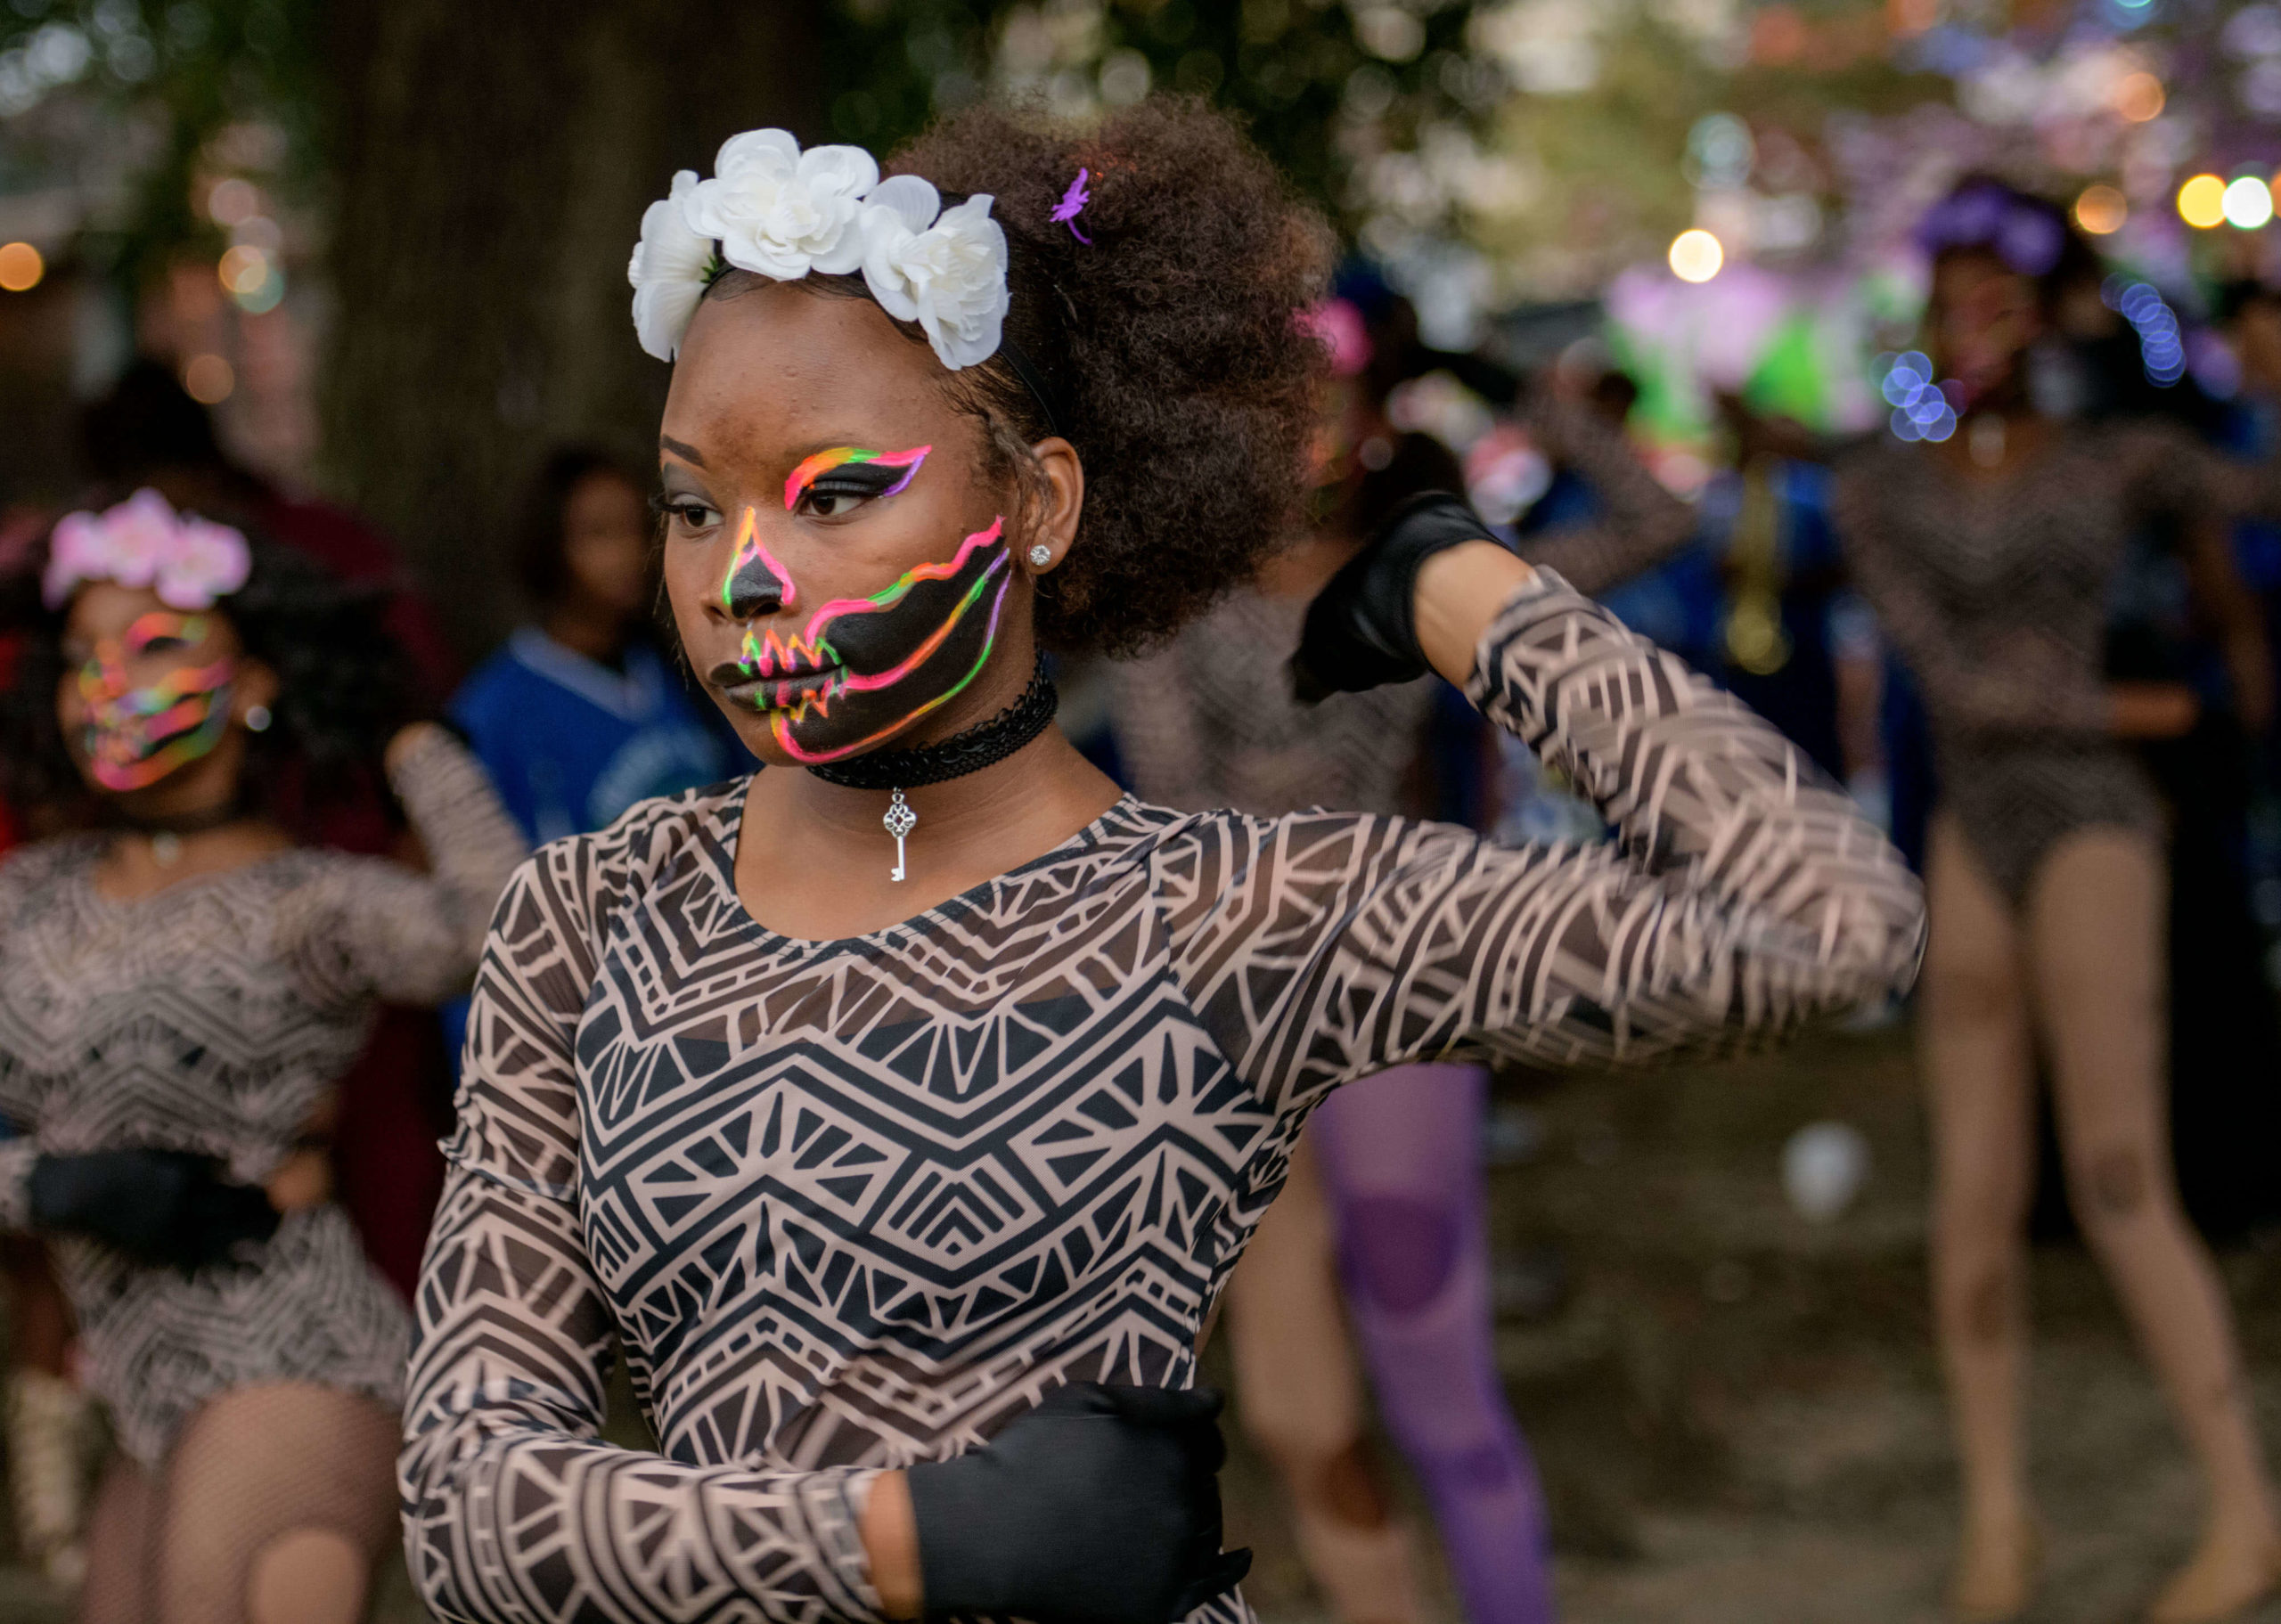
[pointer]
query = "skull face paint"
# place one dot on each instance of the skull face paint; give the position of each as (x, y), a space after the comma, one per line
(863, 669)
(853, 470)
(133, 737)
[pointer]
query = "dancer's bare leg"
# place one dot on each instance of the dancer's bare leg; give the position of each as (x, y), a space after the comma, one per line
(2094, 922)
(120, 1533)
(275, 1503)
(1299, 1394)
(1973, 1044)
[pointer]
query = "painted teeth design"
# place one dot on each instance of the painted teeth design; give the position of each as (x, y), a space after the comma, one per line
(767, 655)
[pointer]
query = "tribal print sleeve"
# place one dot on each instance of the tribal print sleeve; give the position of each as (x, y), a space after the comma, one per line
(1743, 896)
(513, 1508)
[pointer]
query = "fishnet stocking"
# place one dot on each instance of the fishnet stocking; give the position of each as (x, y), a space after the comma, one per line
(270, 1509)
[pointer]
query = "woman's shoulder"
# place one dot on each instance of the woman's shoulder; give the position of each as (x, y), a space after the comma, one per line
(647, 838)
(35, 866)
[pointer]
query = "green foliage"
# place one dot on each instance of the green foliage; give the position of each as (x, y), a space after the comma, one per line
(1311, 91)
(211, 85)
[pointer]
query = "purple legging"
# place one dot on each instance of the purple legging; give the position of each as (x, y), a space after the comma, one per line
(1400, 1156)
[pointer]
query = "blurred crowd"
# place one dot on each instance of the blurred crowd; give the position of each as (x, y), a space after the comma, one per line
(1797, 576)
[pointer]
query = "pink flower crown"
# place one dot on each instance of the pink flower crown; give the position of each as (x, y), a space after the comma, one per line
(187, 561)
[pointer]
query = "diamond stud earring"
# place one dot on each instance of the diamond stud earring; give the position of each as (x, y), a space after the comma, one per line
(1040, 555)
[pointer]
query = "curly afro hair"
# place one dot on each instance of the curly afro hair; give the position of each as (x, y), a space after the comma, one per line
(1171, 345)
(344, 689)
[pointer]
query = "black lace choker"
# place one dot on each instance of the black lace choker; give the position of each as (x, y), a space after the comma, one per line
(983, 745)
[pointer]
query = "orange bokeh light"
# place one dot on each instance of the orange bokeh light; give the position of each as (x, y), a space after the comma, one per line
(2140, 97)
(20, 267)
(2101, 210)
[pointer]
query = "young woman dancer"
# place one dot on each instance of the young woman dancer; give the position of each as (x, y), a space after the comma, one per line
(179, 994)
(1988, 559)
(903, 1105)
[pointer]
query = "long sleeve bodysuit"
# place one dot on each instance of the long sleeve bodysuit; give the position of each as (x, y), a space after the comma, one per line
(215, 1016)
(1997, 593)
(852, 1204)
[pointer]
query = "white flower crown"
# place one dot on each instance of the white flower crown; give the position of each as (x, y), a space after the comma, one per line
(779, 212)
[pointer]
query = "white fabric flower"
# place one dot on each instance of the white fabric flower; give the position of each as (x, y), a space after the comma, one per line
(947, 272)
(782, 212)
(667, 270)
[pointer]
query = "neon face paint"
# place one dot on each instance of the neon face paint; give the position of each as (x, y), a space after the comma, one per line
(133, 737)
(852, 470)
(863, 669)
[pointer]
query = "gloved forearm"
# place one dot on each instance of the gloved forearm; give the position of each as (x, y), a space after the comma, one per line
(157, 1206)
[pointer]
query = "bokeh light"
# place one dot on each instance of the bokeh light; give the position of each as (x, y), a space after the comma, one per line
(1697, 256)
(1921, 408)
(2140, 97)
(2202, 203)
(2101, 210)
(20, 267)
(2248, 203)
(243, 269)
(231, 201)
(207, 380)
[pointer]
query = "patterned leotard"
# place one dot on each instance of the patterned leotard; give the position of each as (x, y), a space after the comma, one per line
(1996, 592)
(853, 1204)
(215, 1016)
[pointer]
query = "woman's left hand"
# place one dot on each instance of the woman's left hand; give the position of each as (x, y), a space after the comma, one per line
(1400, 608)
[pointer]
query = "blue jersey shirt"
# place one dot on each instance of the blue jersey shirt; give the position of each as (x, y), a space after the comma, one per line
(570, 744)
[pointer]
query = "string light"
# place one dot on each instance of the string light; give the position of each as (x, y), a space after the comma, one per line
(1697, 256)
(2161, 348)
(20, 267)
(2202, 203)
(2101, 210)
(1920, 410)
(2248, 204)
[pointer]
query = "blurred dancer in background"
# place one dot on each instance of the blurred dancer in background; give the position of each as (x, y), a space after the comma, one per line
(180, 993)
(580, 715)
(1390, 1171)
(1988, 559)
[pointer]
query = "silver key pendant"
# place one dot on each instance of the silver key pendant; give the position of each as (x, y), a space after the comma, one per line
(900, 821)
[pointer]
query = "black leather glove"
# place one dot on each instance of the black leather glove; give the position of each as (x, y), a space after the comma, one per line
(1361, 630)
(1100, 1507)
(157, 1207)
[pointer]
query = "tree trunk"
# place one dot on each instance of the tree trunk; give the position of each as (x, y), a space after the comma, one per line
(492, 164)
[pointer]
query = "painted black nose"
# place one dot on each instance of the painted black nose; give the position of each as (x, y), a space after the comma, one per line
(754, 589)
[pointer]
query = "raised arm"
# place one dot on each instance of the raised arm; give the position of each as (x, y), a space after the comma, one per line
(1641, 524)
(380, 929)
(1743, 896)
(513, 1509)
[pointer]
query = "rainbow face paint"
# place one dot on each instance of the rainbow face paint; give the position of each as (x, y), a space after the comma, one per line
(133, 737)
(863, 669)
(852, 470)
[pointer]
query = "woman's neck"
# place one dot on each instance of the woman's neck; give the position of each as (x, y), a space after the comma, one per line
(814, 859)
(584, 628)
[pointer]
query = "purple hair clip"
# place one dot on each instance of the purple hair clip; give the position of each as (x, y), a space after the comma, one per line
(1073, 203)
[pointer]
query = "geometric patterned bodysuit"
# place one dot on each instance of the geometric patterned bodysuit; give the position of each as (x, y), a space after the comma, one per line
(853, 1204)
(215, 1016)
(1997, 593)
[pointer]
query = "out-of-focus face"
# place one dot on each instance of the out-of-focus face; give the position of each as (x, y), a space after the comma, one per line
(839, 567)
(147, 689)
(606, 541)
(1983, 317)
